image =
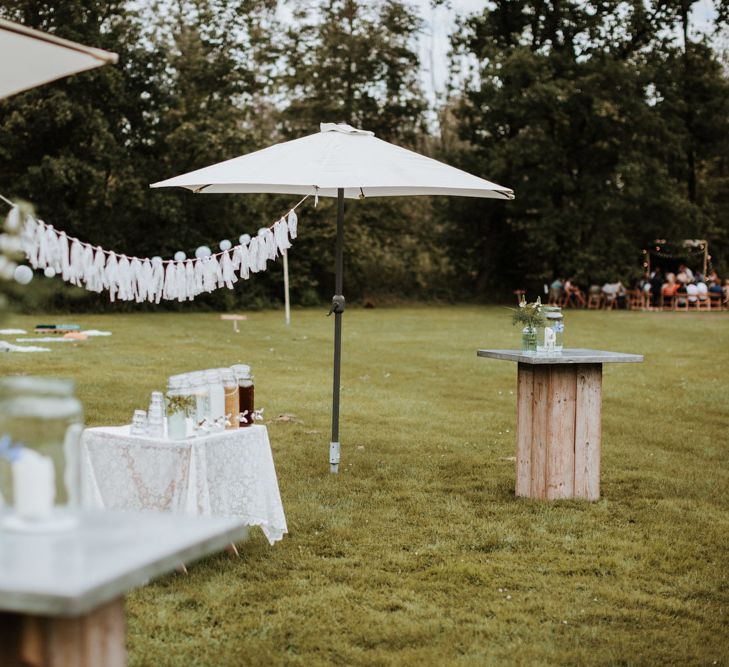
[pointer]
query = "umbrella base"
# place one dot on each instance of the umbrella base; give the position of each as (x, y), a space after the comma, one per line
(334, 457)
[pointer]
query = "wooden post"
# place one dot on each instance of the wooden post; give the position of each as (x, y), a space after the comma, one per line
(561, 434)
(558, 431)
(588, 417)
(525, 399)
(96, 638)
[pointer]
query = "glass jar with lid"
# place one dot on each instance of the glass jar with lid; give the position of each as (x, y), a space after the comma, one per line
(245, 393)
(551, 334)
(230, 386)
(41, 422)
(201, 392)
(217, 396)
(180, 406)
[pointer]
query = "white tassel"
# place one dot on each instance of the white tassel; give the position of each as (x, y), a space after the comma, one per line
(158, 280)
(199, 276)
(169, 287)
(144, 284)
(281, 233)
(137, 272)
(31, 233)
(65, 256)
(93, 268)
(190, 280)
(253, 250)
(76, 270)
(180, 281)
(227, 270)
(293, 221)
(110, 276)
(241, 261)
(124, 273)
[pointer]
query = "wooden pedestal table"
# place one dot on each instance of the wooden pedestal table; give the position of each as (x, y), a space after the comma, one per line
(558, 423)
(62, 594)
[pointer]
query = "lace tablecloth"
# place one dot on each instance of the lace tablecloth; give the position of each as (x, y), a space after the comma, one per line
(229, 474)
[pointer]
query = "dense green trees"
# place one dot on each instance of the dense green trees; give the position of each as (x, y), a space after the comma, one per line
(609, 119)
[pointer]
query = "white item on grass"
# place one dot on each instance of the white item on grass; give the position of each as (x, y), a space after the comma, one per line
(9, 347)
(12, 332)
(96, 332)
(46, 339)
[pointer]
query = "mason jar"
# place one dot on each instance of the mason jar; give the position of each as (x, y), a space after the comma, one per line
(230, 385)
(551, 334)
(246, 391)
(180, 406)
(41, 422)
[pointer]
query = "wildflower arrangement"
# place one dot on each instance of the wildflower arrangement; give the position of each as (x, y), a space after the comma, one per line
(528, 314)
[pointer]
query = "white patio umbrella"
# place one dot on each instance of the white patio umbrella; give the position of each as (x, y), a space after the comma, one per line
(29, 58)
(347, 163)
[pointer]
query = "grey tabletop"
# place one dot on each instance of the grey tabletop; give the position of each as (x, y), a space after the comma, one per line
(568, 356)
(107, 554)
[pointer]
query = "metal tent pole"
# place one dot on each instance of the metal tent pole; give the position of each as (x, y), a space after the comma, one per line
(338, 309)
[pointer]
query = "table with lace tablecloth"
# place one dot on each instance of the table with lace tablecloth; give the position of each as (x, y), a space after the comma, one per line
(228, 474)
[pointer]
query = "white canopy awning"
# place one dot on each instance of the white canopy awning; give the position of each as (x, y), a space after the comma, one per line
(339, 156)
(29, 58)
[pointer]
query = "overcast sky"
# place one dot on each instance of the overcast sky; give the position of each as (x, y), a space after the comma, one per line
(439, 23)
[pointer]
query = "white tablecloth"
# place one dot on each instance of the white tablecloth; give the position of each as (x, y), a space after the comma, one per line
(229, 474)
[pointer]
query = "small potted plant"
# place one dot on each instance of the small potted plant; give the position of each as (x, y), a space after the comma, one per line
(530, 317)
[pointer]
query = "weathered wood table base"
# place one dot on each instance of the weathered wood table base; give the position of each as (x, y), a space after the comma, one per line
(559, 418)
(62, 594)
(95, 638)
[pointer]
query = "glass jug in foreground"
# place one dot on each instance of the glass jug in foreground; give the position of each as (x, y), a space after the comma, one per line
(40, 428)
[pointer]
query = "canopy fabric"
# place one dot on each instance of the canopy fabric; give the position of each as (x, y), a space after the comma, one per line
(339, 156)
(29, 58)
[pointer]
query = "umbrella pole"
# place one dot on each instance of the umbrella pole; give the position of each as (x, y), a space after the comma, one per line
(338, 310)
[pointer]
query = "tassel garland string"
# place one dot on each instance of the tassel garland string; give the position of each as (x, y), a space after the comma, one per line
(143, 279)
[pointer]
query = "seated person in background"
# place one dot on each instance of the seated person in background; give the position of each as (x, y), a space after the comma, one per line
(613, 291)
(555, 291)
(712, 277)
(715, 285)
(688, 273)
(703, 290)
(726, 290)
(681, 295)
(692, 291)
(670, 287)
(656, 286)
(573, 293)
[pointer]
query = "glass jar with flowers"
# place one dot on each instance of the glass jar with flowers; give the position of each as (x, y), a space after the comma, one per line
(530, 317)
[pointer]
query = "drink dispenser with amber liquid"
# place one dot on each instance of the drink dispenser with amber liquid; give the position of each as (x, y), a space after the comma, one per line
(245, 394)
(232, 398)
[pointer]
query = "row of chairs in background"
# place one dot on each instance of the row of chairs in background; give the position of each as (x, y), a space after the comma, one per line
(634, 300)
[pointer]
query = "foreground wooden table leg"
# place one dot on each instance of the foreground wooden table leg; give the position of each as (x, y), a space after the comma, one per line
(558, 431)
(94, 639)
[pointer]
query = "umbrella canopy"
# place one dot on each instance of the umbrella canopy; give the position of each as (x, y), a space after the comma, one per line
(29, 58)
(344, 162)
(337, 157)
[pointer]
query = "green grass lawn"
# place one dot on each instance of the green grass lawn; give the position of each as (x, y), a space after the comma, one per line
(418, 551)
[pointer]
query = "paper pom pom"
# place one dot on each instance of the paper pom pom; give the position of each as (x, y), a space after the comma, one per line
(49, 272)
(244, 238)
(23, 274)
(179, 256)
(203, 251)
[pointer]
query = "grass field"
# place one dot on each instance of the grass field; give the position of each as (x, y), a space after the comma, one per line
(418, 552)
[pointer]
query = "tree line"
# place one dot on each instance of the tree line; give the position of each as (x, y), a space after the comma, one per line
(609, 119)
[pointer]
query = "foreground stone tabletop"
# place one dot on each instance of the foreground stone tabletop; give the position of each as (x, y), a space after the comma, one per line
(106, 555)
(568, 356)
